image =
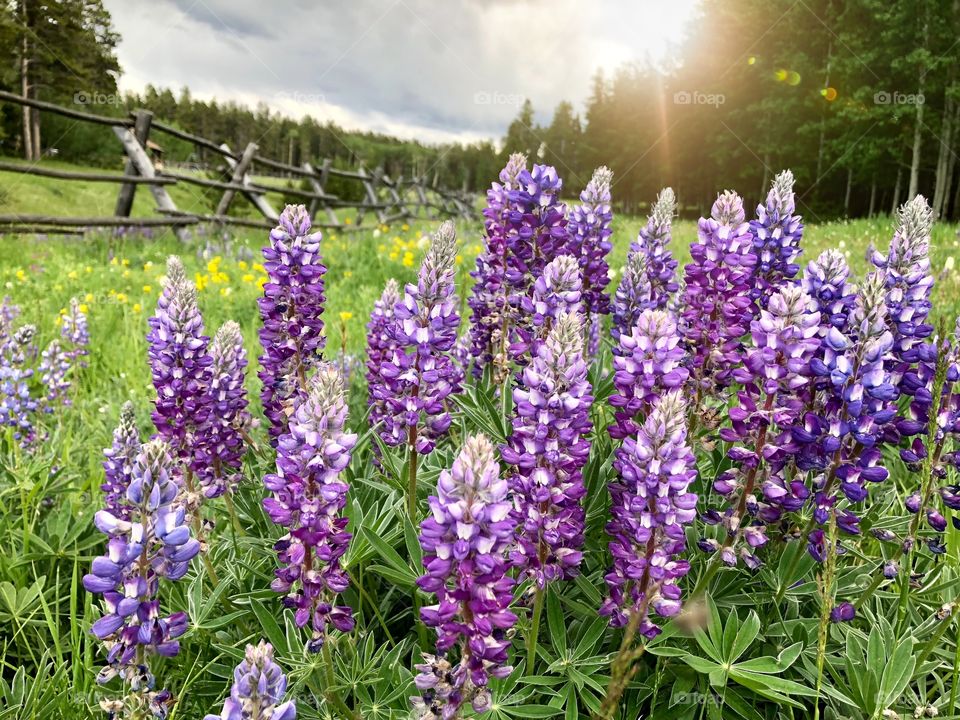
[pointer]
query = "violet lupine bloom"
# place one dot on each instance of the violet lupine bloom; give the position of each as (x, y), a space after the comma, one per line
(647, 363)
(776, 370)
(465, 540)
(221, 446)
(17, 405)
(650, 505)
(908, 280)
(652, 242)
(75, 334)
(632, 295)
(555, 293)
(421, 375)
(380, 348)
(258, 689)
(536, 231)
(547, 452)
(837, 439)
(776, 239)
(180, 364)
(291, 310)
(490, 317)
(717, 305)
(153, 543)
(590, 227)
(921, 383)
(54, 368)
(826, 281)
(308, 497)
(118, 466)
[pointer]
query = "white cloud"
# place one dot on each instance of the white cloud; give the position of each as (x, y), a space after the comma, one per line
(413, 68)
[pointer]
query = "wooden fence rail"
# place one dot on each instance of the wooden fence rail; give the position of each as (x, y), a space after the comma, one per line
(385, 199)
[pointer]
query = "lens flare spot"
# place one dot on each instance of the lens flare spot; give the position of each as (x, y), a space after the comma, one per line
(829, 94)
(780, 75)
(793, 78)
(752, 60)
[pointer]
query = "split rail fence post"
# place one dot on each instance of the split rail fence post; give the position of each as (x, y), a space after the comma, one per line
(141, 130)
(239, 171)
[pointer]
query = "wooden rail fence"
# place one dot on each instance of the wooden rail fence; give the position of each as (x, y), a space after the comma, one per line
(385, 199)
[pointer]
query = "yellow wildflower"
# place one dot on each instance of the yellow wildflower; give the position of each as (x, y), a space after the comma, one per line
(73, 274)
(88, 297)
(147, 289)
(346, 316)
(137, 307)
(247, 278)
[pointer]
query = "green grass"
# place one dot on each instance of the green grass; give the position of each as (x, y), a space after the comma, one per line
(47, 658)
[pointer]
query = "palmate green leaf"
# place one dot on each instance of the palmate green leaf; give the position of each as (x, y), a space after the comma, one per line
(740, 705)
(706, 644)
(730, 629)
(744, 638)
(701, 665)
(591, 636)
(533, 711)
(714, 625)
(897, 672)
(270, 626)
(770, 665)
(760, 685)
(556, 623)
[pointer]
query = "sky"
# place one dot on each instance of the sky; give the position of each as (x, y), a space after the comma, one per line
(433, 70)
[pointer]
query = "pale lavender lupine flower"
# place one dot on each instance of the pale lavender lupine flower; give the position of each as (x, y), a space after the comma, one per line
(308, 498)
(590, 227)
(651, 503)
(381, 345)
(777, 233)
(258, 689)
(119, 462)
(465, 539)
(420, 375)
(547, 452)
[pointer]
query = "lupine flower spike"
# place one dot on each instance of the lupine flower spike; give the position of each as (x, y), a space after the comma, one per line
(590, 228)
(420, 375)
(491, 315)
(776, 240)
(153, 543)
(222, 444)
(308, 497)
(258, 689)
(717, 299)
(291, 310)
(381, 344)
(650, 505)
(649, 278)
(547, 451)
(465, 541)
(776, 371)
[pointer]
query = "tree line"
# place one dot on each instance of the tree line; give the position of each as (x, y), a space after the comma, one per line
(860, 98)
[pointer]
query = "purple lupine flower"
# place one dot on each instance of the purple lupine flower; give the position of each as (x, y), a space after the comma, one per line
(118, 466)
(547, 451)
(221, 444)
(291, 310)
(258, 689)
(308, 497)
(650, 504)
(75, 334)
(908, 279)
(465, 540)
(17, 404)
(54, 370)
(632, 295)
(776, 370)
(837, 438)
(776, 239)
(939, 362)
(647, 364)
(490, 318)
(826, 281)
(153, 543)
(590, 227)
(717, 305)
(536, 232)
(421, 374)
(381, 345)
(652, 242)
(595, 328)
(843, 612)
(555, 293)
(180, 364)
